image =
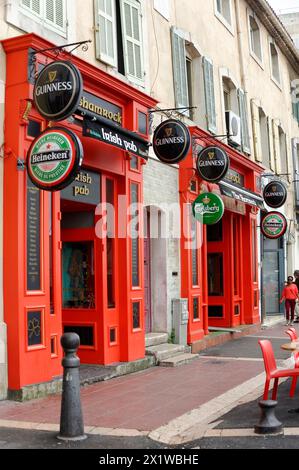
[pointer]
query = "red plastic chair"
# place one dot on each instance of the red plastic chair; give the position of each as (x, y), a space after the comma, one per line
(292, 333)
(294, 337)
(273, 373)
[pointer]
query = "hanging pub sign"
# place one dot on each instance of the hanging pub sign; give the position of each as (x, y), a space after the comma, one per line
(274, 225)
(171, 141)
(208, 208)
(54, 159)
(212, 164)
(57, 90)
(275, 194)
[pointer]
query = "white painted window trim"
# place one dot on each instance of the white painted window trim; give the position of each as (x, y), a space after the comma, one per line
(225, 73)
(23, 18)
(260, 61)
(229, 26)
(277, 83)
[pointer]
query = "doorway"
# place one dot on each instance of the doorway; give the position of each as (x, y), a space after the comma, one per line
(273, 275)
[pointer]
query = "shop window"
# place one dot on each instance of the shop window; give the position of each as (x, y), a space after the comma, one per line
(112, 335)
(33, 237)
(215, 274)
(214, 232)
(195, 308)
(110, 244)
(54, 352)
(34, 128)
(194, 251)
(275, 71)
(134, 163)
(237, 310)
(135, 256)
(50, 14)
(76, 220)
(142, 123)
(34, 328)
(255, 37)
(78, 275)
(119, 36)
(254, 251)
(136, 315)
(85, 333)
(215, 311)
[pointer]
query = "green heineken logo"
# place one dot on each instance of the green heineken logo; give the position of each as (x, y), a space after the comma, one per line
(53, 159)
(274, 225)
(208, 208)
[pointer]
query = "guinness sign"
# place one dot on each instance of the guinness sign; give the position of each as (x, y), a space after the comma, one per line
(275, 194)
(212, 164)
(58, 90)
(274, 225)
(54, 159)
(171, 141)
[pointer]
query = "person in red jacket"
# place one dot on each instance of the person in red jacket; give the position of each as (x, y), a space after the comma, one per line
(290, 294)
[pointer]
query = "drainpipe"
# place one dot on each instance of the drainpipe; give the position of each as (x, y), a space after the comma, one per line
(240, 46)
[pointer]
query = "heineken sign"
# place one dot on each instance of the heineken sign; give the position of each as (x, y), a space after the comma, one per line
(171, 141)
(212, 164)
(275, 194)
(274, 225)
(208, 208)
(57, 90)
(54, 159)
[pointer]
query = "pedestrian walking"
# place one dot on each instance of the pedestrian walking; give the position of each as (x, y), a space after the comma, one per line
(290, 294)
(296, 276)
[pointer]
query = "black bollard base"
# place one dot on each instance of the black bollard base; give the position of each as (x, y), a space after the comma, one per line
(77, 438)
(268, 424)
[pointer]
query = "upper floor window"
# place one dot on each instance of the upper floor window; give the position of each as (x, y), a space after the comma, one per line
(223, 8)
(255, 38)
(162, 6)
(51, 12)
(119, 37)
(274, 62)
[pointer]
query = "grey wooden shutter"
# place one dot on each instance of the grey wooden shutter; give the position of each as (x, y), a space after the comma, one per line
(106, 48)
(271, 144)
(33, 5)
(256, 129)
(179, 69)
(244, 121)
(276, 146)
(295, 153)
(132, 39)
(210, 95)
(55, 13)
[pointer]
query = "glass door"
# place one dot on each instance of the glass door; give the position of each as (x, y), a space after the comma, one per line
(273, 276)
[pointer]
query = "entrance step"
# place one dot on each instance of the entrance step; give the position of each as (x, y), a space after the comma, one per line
(179, 360)
(166, 350)
(153, 339)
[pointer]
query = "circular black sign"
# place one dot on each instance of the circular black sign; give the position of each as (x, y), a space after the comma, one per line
(275, 194)
(54, 159)
(57, 90)
(212, 164)
(171, 141)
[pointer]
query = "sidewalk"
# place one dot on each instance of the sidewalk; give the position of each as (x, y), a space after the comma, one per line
(171, 406)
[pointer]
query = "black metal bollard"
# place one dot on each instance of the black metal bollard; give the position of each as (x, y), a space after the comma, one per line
(71, 420)
(268, 424)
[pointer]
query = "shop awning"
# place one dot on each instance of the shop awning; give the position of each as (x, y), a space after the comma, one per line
(241, 194)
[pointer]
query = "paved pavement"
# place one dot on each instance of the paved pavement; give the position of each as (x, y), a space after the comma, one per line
(211, 402)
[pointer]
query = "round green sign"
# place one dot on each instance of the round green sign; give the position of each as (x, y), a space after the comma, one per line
(54, 159)
(208, 208)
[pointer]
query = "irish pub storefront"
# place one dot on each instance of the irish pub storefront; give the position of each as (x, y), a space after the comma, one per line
(59, 274)
(220, 270)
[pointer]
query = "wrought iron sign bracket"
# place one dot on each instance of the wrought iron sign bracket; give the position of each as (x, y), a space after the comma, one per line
(56, 51)
(170, 112)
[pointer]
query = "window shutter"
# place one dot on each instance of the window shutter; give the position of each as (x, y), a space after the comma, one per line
(276, 147)
(256, 129)
(179, 69)
(106, 49)
(271, 144)
(296, 168)
(132, 39)
(288, 160)
(210, 94)
(244, 121)
(55, 13)
(33, 5)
